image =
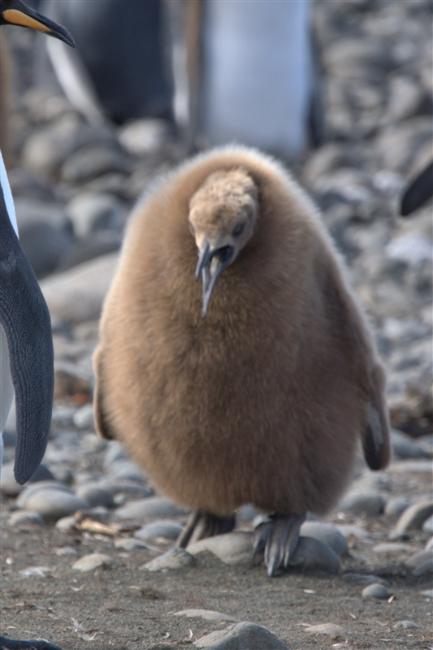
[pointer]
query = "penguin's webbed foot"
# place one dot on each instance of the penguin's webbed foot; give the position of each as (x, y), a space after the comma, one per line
(276, 539)
(11, 644)
(203, 524)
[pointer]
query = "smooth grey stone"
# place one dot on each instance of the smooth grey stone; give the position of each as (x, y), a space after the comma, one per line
(114, 453)
(231, 548)
(376, 590)
(405, 625)
(429, 545)
(412, 519)
(91, 212)
(331, 630)
(95, 495)
(32, 488)
(175, 558)
(93, 162)
(350, 531)
(392, 548)
(242, 636)
(205, 615)
(428, 525)
(362, 578)
(83, 418)
(66, 524)
(421, 563)
(130, 544)
(369, 504)
(19, 519)
(92, 561)
(98, 244)
(53, 504)
(396, 505)
(312, 554)
(126, 470)
(123, 488)
(326, 533)
(76, 296)
(44, 242)
(405, 447)
(412, 467)
(150, 508)
(167, 530)
(427, 593)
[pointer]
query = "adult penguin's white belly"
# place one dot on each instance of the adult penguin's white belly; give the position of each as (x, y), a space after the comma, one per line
(6, 385)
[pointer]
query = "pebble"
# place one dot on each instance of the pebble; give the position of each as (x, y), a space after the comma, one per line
(369, 504)
(152, 507)
(242, 636)
(333, 631)
(90, 212)
(174, 559)
(155, 531)
(83, 418)
(130, 544)
(376, 590)
(21, 519)
(66, 524)
(92, 561)
(33, 488)
(53, 504)
(396, 505)
(126, 470)
(326, 533)
(234, 548)
(428, 525)
(392, 548)
(362, 578)
(205, 615)
(421, 563)
(95, 495)
(312, 554)
(76, 296)
(405, 447)
(405, 625)
(412, 518)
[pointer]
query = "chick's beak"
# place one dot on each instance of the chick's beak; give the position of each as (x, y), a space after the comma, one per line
(211, 263)
(18, 13)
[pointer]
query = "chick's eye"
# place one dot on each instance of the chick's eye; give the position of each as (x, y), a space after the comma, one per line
(238, 229)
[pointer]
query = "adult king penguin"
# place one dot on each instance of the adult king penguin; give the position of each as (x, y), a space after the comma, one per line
(26, 349)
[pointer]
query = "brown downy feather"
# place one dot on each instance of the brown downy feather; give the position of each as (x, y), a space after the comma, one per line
(265, 399)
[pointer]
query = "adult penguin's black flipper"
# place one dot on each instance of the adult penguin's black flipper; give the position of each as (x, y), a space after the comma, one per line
(25, 319)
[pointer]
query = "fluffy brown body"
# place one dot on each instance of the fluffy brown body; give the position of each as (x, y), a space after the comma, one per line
(265, 399)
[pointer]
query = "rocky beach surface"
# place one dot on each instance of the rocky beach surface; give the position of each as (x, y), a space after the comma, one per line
(87, 553)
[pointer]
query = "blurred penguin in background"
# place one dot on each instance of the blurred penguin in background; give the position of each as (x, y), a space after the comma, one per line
(222, 71)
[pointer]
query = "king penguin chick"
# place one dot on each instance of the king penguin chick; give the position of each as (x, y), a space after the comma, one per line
(256, 389)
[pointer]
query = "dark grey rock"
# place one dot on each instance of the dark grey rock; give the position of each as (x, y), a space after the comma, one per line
(396, 505)
(313, 555)
(421, 563)
(91, 162)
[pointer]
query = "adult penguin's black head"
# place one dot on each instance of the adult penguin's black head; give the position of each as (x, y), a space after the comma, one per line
(15, 12)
